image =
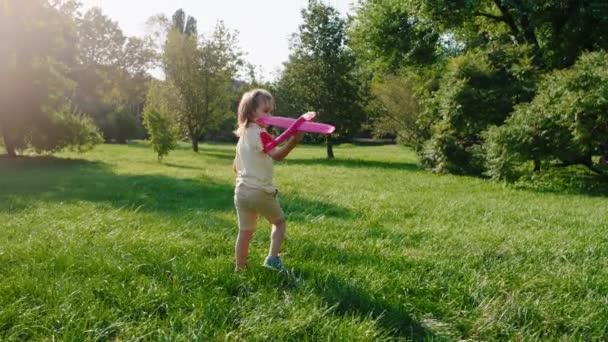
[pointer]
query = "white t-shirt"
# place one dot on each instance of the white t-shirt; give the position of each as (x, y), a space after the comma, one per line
(254, 167)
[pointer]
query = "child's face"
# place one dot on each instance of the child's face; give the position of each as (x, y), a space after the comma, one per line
(262, 110)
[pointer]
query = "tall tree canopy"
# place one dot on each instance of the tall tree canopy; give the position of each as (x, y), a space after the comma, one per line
(111, 75)
(321, 74)
(37, 51)
(482, 60)
(202, 69)
(558, 30)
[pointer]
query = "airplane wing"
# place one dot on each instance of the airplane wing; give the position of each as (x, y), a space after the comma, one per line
(316, 127)
(277, 121)
(307, 126)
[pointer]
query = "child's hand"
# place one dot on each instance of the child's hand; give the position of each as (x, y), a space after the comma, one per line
(309, 114)
(298, 136)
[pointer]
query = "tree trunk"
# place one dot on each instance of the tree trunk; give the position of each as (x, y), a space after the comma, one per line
(330, 148)
(508, 19)
(195, 145)
(586, 160)
(536, 165)
(193, 137)
(8, 143)
(604, 155)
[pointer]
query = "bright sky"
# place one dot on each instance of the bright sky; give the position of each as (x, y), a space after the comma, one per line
(264, 26)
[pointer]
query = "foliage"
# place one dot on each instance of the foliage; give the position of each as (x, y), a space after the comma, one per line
(567, 120)
(202, 73)
(37, 52)
(111, 75)
(221, 60)
(495, 51)
(479, 90)
(400, 110)
(557, 30)
(386, 36)
(321, 75)
(65, 128)
(446, 152)
(160, 118)
(121, 126)
(100, 39)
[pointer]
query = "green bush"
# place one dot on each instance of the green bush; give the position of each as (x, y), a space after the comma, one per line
(444, 153)
(64, 128)
(479, 90)
(566, 121)
(121, 125)
(159, 120)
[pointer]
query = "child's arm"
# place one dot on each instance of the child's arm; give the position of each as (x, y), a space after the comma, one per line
(280, 153)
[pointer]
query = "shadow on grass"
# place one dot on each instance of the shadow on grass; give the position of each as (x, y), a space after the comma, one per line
(25, 162)
(184, 145)
(28, 180)
(51, 179)
(215, 151)
(574, 180)
(355, 163)
(331, 256)
(219, 155)
(180, 166)
(348, 299)
(344, 296)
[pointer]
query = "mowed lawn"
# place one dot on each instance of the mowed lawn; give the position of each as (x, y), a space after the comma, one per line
(112, 245)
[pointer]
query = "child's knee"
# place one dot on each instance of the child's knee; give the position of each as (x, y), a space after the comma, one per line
(279, 222)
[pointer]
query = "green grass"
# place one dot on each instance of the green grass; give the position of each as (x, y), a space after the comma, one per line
(111, 245)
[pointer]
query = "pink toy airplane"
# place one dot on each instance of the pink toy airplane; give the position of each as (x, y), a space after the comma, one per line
(293, 125)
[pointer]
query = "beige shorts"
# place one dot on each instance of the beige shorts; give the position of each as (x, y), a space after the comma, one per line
(251, 202)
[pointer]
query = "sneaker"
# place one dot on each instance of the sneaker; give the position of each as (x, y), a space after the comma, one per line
(274, 263)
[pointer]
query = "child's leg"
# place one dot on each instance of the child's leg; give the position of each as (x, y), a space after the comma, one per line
(247, 222)
(276, 236)
(241, 248)
(271, 210)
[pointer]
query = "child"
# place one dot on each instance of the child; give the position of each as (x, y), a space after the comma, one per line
(254, 192)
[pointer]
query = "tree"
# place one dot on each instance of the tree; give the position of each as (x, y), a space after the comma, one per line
(183, 25)
(111, 75)
(557, 30)
(478, 90)
(100, 39)
(181, 64)
(220, 62)
(159, 118)
(138, 56)
(386, 36)
(37, 51)
(321, 72)
(400, 110)
(566, 121)
(403, 56)
(495, 51)
(202, 72)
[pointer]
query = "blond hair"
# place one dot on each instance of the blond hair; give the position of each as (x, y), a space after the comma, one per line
(250, 102)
